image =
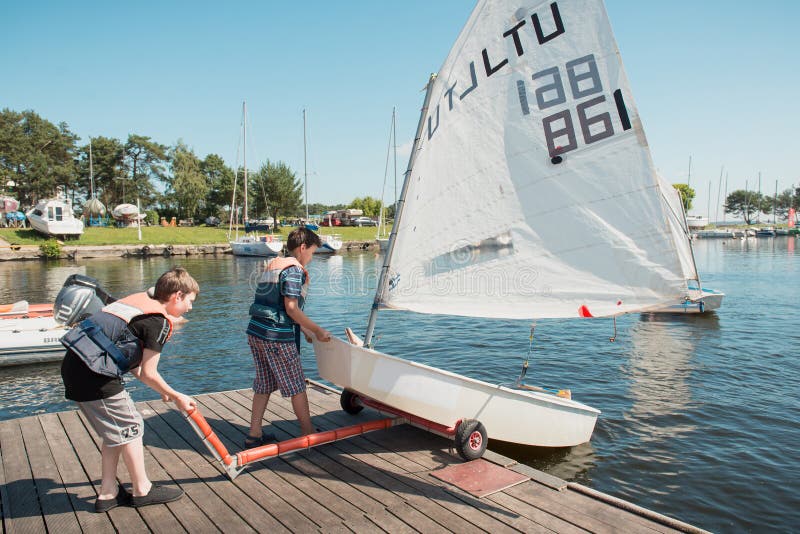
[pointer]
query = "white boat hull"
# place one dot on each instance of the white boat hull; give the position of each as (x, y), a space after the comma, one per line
(330, 244)
(56, 228)
(707, 301)
(524, 417)
(30, 340)
(250, 246)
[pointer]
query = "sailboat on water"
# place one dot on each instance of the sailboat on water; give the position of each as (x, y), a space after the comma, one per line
(250, 244)
(331, 243)
(528, 136)
(696, 299)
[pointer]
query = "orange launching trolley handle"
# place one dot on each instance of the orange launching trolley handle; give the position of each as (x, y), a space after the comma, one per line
(233, 464)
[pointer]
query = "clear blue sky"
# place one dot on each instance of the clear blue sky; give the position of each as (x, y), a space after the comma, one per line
(712, 79)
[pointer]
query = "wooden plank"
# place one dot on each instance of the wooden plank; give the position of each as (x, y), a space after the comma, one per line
(158, 518)
(582, 511)
(122, 517)
(24, 513)
(56, 507)
(78, 486)
(4, 501)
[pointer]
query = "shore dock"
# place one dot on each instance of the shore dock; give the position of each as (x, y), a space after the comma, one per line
(381, 481)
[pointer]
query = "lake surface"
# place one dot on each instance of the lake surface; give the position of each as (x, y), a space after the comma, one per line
(701, 415)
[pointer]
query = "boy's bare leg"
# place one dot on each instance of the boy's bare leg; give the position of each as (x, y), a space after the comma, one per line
(133, 456)
(257, 413)
(110, 458)
(300, 406)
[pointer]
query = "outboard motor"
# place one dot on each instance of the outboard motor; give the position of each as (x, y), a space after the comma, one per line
(80, 297)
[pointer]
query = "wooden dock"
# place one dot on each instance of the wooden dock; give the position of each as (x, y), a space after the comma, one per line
(372, 483)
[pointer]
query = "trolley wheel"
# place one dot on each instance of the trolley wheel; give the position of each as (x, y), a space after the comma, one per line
(349, 402)
(471, 439)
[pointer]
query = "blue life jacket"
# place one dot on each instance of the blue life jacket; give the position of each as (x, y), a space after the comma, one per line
(103, 341)
(268, 302)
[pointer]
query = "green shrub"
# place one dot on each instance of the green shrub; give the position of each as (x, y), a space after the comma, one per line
(51, 249)
(152, 217)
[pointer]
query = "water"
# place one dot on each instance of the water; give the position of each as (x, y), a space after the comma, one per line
(700, 414)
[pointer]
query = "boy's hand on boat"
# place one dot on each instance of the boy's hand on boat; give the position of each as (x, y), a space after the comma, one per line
(322, 335)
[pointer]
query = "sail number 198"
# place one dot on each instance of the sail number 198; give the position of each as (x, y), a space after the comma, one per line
(559, 128)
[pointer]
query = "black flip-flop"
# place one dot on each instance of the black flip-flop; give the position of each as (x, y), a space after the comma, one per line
(251, 442)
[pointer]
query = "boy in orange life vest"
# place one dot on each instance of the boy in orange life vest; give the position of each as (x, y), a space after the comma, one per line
(274, 333)
(131, 332)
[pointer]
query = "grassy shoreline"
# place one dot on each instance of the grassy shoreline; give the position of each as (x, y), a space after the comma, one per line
(195, 235)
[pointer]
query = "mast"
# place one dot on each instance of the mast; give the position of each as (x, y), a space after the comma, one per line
(91, 169)
(775, 204)
(719, 189)
(244, 158)
(725, 196)
(394, 141)
(384, 277)
(758, 200)
(305, 164)
(689, 177)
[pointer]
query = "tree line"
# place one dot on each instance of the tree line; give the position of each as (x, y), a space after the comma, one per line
(37, 157)
(750, 205)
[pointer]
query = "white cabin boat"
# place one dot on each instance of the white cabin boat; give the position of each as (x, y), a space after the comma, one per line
(54, 217)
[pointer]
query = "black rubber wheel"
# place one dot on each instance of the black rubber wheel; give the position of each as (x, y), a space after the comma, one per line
(471, 439)
(349, 402)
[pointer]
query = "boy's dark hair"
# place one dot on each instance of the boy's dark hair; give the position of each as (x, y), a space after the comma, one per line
(172, 281)
(302, 236)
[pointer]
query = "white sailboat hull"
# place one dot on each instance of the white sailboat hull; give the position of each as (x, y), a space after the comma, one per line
(707, 301)
(330, 244)
(250, 246)
(524, 417)
(30, 340)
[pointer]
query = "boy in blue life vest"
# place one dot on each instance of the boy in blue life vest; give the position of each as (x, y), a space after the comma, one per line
(276, 319)
(126, 335)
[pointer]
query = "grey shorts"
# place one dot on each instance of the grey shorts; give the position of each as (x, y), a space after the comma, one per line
(115, 419)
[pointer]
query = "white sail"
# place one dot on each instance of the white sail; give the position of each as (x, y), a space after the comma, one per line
(492, 224)
(680, 231)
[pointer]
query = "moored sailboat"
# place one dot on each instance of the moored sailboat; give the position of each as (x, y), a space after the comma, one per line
(530, 116)
(696, 299)
(250, 245)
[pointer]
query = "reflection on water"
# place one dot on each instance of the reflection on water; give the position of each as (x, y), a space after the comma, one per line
(697, 411)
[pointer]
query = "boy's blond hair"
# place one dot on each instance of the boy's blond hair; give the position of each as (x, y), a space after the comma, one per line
(174, 280)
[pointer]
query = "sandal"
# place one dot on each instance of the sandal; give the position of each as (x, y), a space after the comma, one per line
(251, 442)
